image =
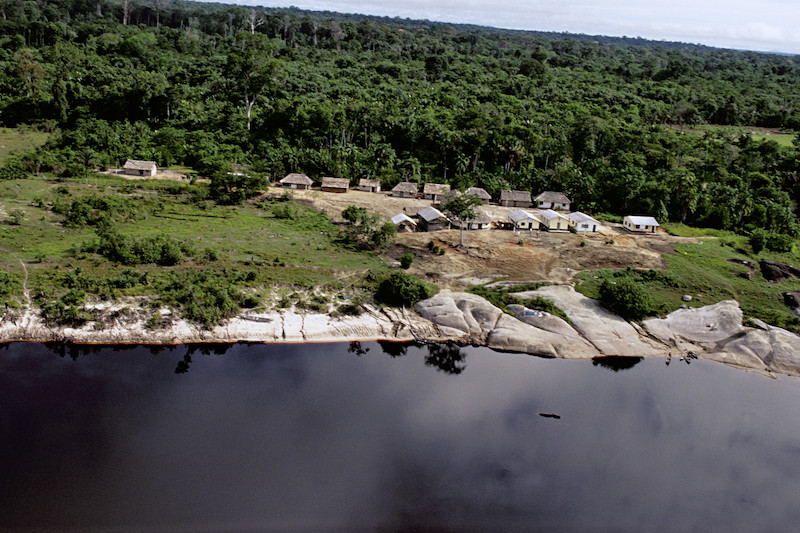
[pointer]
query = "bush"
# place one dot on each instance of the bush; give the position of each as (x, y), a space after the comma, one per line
(15, 217)
(406, 260)
(626, 298)
(403, 290)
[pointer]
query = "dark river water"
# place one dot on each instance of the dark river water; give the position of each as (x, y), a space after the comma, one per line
(357, 438)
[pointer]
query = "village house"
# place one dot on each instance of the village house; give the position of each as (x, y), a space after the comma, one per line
(296, 181)
(135, 167)
(405, 189)
(553, 221)
(431, 219)
(583, 223)
(552, 200)
(640, 224)
(482, 220)
(404, 223)
(368, 185)
(435, 191)
(521, 219)
(479, 193)
(338, 185)
(515, 199)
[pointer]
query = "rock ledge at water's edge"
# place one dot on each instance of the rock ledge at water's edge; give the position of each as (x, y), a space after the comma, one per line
(715, 332)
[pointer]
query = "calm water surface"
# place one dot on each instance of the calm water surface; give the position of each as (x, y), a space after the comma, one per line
(340, 437)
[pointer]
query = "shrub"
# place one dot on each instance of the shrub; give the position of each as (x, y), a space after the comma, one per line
(402, 289)
(626, 298)
(406, 260)
(15, 217)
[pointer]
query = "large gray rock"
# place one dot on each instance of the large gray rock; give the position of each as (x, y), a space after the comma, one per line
(707, 327)
(716, 332)
(464, 314)
(512, 335)
(607, 332)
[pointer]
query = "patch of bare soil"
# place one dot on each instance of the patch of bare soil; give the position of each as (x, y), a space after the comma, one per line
(501, 254)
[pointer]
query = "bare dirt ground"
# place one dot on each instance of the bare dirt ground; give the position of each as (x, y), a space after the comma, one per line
(496, 254)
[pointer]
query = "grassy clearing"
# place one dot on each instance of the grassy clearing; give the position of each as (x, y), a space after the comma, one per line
(299, 251)
(758, 134)
(682, 230)
(704, 272)
(16, 141)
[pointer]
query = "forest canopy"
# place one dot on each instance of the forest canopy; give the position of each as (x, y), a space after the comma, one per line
(613, 123)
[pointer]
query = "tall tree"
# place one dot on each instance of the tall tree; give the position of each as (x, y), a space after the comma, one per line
(462, 207)
(254, 66)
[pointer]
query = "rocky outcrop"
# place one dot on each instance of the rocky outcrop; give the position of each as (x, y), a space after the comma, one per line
(776, 272)
(716, 332)
(607, 332)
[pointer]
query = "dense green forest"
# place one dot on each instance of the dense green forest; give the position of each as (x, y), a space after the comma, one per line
(611, 122)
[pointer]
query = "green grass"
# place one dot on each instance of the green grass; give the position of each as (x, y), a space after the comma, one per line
(703, 272)
(300, 252)
(758, 134)
(16, 141)
(682, 230)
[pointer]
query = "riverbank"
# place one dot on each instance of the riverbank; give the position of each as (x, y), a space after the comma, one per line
(714, 332)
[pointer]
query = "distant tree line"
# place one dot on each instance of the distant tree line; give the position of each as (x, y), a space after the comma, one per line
(607, 121)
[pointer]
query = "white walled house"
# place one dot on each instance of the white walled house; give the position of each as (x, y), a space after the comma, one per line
(553, 221)
(640, 224)
(552, 200)
(523, 220)
(136, 167)
(583, 223)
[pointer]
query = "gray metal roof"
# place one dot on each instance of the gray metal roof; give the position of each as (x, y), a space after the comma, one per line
(520, 214)
(643, 221)
(430, 214)
(549, 214)
(579, 217)
(400, 218)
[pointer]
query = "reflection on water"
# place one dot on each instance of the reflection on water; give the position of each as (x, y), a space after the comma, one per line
(616, 363)
(342, 437)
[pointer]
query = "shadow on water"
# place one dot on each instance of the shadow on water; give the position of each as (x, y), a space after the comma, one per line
(446, 357)
(616, 362)
(211, 348)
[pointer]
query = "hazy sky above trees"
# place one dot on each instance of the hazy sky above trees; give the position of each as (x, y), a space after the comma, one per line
(766, 25)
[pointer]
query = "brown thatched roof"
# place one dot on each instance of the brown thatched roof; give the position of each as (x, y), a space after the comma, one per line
(515, 196)
(365, 182)
(335, 183)
(406, 186)
(297, 179)
(481, 217)
(137, 164)
(479, 192)
(436, 188)
(553, 197)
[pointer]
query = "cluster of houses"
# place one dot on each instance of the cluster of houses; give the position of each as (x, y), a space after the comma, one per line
(552, 208)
